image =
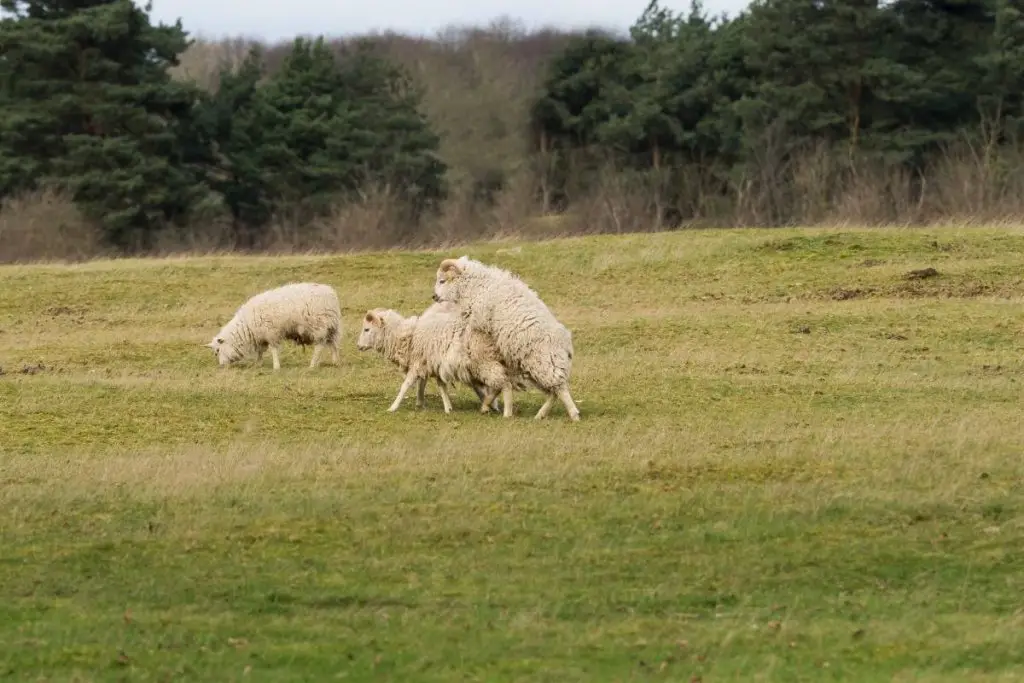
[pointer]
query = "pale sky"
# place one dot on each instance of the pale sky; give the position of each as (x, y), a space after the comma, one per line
(276, 19)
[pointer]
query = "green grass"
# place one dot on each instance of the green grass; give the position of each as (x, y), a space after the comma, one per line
(794, 464)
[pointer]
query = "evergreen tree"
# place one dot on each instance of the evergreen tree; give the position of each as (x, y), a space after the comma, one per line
(399, 148)
(660, 108)
(89, 106)
(249, 145)
(824, 70)
(941, 44)
(317, 132)
(573, 100)
(1001, 100)
(572, 104)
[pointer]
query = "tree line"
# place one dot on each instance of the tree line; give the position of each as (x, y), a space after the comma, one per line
(703, 110)
(792, 111)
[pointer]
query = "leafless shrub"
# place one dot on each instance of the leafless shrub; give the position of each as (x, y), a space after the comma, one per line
(46, 226)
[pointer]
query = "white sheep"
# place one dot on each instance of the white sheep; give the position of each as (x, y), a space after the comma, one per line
(532, 343)
(432, 345)
(303, 312)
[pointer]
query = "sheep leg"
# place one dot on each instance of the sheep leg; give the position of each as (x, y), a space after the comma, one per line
(506, 399)
(546, 408)
(481, 392)
(443, 390)
(334, 341)
(485, 401)
(410, 377)
(421, 393)
(489, 398)
(317, 350)
(277, 359)
(570, 405)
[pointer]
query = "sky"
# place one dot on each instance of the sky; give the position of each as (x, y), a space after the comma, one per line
(273, 20)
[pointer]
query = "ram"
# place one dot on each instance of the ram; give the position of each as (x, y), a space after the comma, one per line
(532, 343)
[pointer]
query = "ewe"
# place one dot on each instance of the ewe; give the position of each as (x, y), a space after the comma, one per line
(304, 312)
(433, 344)
(530, 340)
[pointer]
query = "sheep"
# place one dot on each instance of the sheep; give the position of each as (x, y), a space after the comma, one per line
(390, 334)
(443, 348)
(432, 345)
(303, 312)
(532, 343)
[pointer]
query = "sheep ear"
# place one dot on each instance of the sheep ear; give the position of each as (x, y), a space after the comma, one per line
(450, 265)
(370, 317)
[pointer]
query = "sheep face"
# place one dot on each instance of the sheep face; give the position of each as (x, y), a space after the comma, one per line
(225, 352)
(373, 330)
(446, 287)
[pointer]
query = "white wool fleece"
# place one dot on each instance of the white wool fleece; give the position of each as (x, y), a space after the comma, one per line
(531, 341)
(430, 345)
(444, 347)
(303, 312)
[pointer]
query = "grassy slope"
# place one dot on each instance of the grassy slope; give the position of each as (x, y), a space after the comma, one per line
(793, 464)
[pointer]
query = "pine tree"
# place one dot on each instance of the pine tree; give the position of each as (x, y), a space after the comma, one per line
(382, 99)
(573, 100)
(249, 144)
(940, 43)
(89, 106)
(1001, 100)
(318, 132)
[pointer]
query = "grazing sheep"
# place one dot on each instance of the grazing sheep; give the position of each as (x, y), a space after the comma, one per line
(432, 345)
(304, 312)
(532, 342)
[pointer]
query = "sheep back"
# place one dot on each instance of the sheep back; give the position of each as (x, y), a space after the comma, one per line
(529, 338)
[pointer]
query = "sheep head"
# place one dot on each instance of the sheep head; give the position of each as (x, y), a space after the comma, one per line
(375, 322)
(448, 274)
(225, 352)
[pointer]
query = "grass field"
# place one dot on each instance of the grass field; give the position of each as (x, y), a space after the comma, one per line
(796, 462)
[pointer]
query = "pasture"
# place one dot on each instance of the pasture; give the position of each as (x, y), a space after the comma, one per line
(800, 458)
